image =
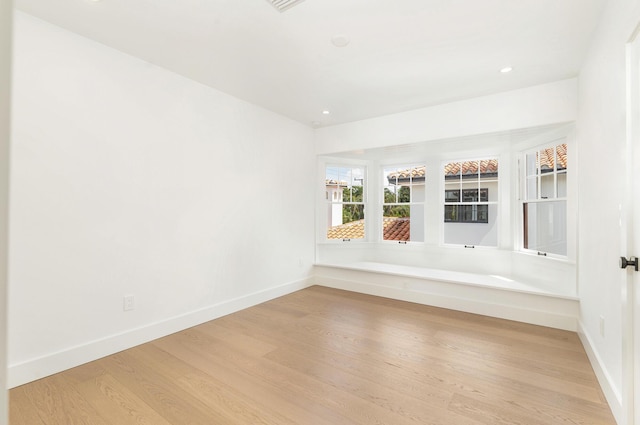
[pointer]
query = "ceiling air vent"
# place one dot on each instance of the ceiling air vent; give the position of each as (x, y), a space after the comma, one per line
(283, 5)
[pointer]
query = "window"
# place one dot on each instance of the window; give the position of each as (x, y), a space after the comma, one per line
(466, 213)
(544, 204)
(403, 203)
(345, 195)
(471, 203)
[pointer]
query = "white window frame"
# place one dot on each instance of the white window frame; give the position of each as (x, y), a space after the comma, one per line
(412, 203)
(497, 202)
(329, 201)
(539, 199)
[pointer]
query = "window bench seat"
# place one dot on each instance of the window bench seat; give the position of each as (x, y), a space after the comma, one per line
(489, 295)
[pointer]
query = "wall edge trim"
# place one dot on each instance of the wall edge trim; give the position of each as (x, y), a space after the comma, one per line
(611, 393)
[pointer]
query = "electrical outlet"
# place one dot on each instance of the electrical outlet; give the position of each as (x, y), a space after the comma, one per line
(602, 326)
(129, 302)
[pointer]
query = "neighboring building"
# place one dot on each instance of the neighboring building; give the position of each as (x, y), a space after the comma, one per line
(333, 193)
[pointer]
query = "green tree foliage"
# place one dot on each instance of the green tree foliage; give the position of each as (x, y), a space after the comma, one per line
(352, 212)
(404, 196)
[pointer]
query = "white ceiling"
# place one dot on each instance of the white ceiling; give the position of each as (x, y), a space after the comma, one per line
(402, 55)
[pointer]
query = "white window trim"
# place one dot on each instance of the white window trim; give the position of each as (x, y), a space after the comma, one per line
(521, 198)
(442, 202)
(322, 224)
(382, 204)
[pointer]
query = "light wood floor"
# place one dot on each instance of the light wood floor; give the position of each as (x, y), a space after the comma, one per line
(323, 356)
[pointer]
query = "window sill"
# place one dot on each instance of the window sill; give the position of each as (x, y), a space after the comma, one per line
(449, 276)
(552, 257)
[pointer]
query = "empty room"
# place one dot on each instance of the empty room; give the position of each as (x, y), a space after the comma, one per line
(319, 212)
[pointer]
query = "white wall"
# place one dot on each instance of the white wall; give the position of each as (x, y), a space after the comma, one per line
(5, 66)
(129, 179)
(601, 139)
(530, 107)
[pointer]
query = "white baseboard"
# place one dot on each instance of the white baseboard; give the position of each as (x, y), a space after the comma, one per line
(555, 313)
(480, 301)
(31, 370)
(611, 393)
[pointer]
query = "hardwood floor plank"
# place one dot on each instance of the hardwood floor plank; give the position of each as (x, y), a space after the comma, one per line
(420, 404)
(274, 392)
(58, 402)
(419, 316)
(235, 405)
(85, 372)
(406, 353)
(296, 385)
(322, 356)
(117, 404)
(238, 340)
(491, 411)
(22, 411)
(153, 387)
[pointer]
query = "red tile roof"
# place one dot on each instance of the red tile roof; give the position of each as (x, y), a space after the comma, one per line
(547, 161)
(451, 169)
(352, 230)
(547, 158)
(393, 229)
(415, 173)
(331, 182)
(396, 229)
(471, 167)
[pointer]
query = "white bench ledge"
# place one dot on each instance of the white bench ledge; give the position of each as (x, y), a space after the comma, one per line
(449, 276)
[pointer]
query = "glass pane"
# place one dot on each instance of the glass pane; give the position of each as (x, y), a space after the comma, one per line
(345, 221)
(466, 213)
(357, 190)
(390, 179)
(532, 188)
(396, 211)
(403, 184)
(489, 168)
(404, 194)
(470, 195)
(532, 164)
(352, 212)
(451, 213)
(561, 156)
(396, 223)
(466, 184)
(452, 171)
(335, 183)
(452, 195)
(547, 160)
(403, 223)
(478, 233)
(470, 169)
(417, 223)
(562, 185)
(545, 227)
(390, 196)
(547, 186)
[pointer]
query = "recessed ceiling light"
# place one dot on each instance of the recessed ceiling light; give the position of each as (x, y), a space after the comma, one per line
(340, 40)
(506, 69)
(325, 112)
